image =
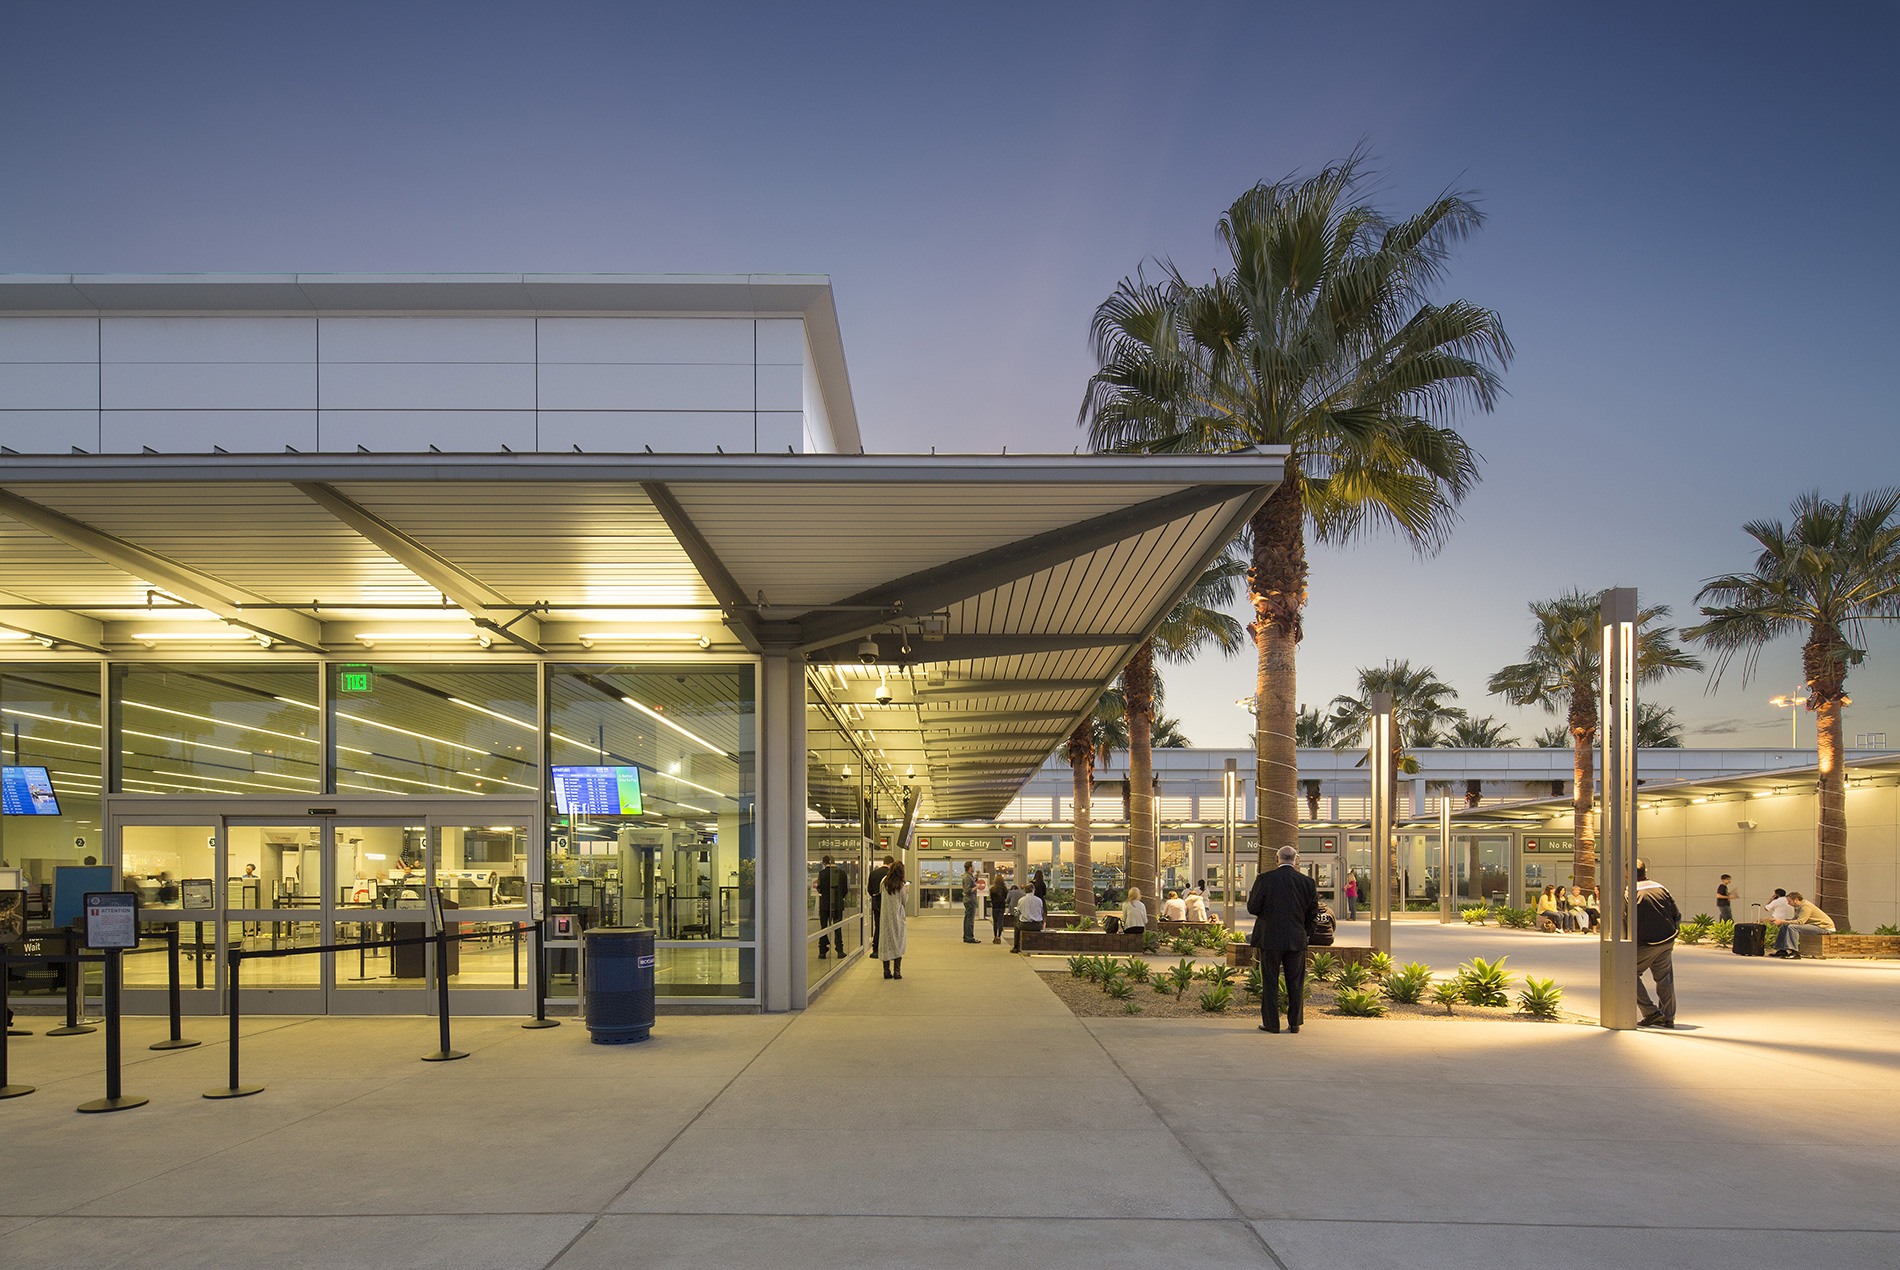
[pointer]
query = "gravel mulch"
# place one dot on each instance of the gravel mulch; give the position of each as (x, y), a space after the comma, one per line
(1087, 1000)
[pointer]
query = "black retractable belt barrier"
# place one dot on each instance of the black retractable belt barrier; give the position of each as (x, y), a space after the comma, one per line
(73, 1027)
(540, 1018)
(7, 1088)
(177, 1039)
(447, 1053)
(115, 1099)
(236, 1089)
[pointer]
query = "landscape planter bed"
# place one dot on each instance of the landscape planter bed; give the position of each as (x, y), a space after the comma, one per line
(1079, 941)
(1884, 947)
(1241, 955)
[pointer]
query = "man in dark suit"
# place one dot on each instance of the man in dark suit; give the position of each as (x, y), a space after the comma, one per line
(874, 889)
(1286, 902)
(832, 885)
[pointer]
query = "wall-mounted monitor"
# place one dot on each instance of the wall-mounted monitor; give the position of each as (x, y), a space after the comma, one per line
(27, 791)
(597, 791)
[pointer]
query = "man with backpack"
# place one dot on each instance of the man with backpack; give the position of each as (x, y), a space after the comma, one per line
(1657, 921)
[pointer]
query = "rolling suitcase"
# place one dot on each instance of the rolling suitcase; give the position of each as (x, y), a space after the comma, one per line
(1751, 939)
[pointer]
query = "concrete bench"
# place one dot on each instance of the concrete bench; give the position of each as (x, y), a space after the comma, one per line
(1079, 941)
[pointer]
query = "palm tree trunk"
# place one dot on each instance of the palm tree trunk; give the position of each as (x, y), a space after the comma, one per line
(1276, 585)
(1474, 793)
(1312, 799)
(1583, 735)
(1082, 761)
(1823, 658)
(1138, 690)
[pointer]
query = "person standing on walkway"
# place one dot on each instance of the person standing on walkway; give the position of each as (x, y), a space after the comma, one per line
(1029, 913)
(1657, 920)
(874, 888)
(970, 901)
(1724, 900)
(895, 895)
(999, 904)
(832, 885)
(1286, 903)
(1040, 887)
(1352, 896)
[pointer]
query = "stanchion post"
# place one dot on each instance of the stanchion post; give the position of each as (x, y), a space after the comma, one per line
(177, 1040)
(235, 1090)
(540, 1018)
(73, 1027)
(447, 1053)
(115, 1099)
(7, 1088)
(10, 1029)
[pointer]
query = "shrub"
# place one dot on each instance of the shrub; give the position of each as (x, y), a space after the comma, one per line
(1182, 976)
(1693, 931)
(1448, 993)
(1516, 918)
(1352, 976)
(1474, 914)
(1323, 966)
(1118, 987)
(1540, 998)
(1484, 982)
(1217, 998)
(1380, 965)
(1255, 984)
(1888, 929)
(1408, 985)
(1722, 934)
(1360, 1003)
(1703, 918)
(1137, 970)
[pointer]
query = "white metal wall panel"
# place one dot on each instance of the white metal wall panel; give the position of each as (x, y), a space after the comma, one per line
(208, 339)
(602, 386)
(631, 431)
(778, 387)
(208, 386)
(774, 433)
(41, 339)
(424, 386)
(49, 431)
(48, 386)
(414, 431)
(428, 339)
(779, 341)
(198, 431)
(654, 340)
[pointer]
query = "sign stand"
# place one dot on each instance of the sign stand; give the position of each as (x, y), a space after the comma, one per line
(112, 926)
(538, 912)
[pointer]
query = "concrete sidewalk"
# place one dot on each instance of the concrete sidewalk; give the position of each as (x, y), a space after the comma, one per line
(964, 1117)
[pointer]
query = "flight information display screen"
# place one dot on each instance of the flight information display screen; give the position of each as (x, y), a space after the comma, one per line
(597, 791)
(27, 791)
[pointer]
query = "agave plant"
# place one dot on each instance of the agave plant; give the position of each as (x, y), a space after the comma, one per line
(1078, 966)
(1380, 964)
(1217, 998)
(1323, 966)
(1485, 982)
(1118, 987)
(1693, 931)
(1352, 977)
(1255, 984)
(1474, 914)
(1137, 970)
(1540, 998)
(1408, 985)
(1360, 1003)
(1182, 976)
(1181, 946)
(1151, 941)
(1448, 993)
(1722, 934)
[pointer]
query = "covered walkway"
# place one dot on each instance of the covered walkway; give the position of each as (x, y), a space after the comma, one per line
(964, 1117)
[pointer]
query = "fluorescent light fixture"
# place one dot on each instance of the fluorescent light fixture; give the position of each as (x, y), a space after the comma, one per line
(372, 855)
(369, 639)
(590, 638)
(149, 638)
(690, 735)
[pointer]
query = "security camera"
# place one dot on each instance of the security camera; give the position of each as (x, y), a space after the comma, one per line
(882, 696)
(1744, 824)
(867, 651)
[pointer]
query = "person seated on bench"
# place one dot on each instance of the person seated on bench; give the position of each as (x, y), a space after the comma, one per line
(1197, 903)
(1174, 908)
(1134, 913)
(1807, 918)
(1548, 918)
(1029, 913)
(1581, 908)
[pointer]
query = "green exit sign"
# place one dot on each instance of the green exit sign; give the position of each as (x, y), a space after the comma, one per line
(355, 679)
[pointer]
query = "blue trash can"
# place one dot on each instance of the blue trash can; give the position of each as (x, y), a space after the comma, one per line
(617, 977)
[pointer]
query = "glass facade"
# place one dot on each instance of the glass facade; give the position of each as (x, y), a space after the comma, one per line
(440, 779)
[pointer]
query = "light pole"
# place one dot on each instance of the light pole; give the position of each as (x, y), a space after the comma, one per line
(1379, 766)
(1617, 842)
(1230, 786)
(1793, 700)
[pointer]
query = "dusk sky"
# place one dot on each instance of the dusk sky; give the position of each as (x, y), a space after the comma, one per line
(1691, 231)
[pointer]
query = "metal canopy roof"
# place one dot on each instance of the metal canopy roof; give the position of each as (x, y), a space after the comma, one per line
(992, 598)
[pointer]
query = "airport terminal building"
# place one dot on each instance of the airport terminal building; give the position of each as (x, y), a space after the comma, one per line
(562, 595)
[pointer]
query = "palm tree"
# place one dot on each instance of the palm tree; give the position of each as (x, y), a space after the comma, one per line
(1311, 733)
(1421, 711)
(1560, 673)
(1096, 737)
(1168, 734)
(1479, 734)
(1317, 335)
(1835, 566)
(1191, 625)
(1553, 737)
(1657, 727)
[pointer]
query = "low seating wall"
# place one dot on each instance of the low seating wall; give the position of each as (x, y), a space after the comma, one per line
(1823, 945)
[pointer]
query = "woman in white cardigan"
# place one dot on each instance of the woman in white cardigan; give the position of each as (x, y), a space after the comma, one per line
(1134, 913)
(891, 939)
